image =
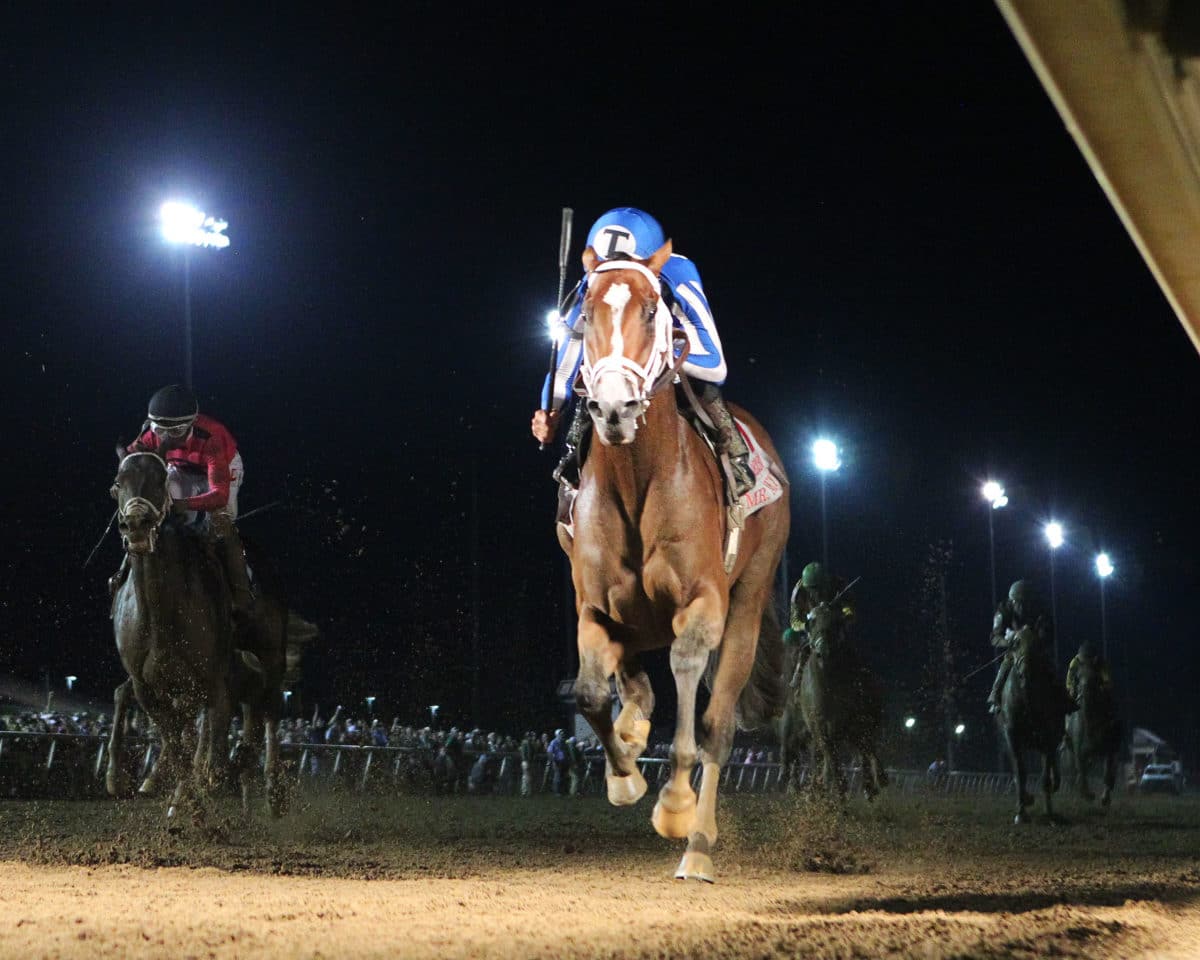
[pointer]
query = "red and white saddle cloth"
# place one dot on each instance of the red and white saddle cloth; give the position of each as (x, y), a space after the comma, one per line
(767, 486)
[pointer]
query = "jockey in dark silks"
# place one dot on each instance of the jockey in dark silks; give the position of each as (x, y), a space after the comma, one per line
(1021, 611)
(204, 476)
(815, 586)
(1088, 656)
(629, 233)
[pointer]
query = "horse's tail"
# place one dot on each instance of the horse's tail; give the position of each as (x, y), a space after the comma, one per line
(762, 699)
(299, 634)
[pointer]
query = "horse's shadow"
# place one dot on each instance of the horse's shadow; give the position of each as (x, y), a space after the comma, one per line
(1082, 894)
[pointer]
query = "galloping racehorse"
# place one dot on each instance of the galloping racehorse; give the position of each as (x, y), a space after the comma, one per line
(1032, 707)
(1094, 731)
(648, 567)
(174, 635)
(171, 620)
(841, 704)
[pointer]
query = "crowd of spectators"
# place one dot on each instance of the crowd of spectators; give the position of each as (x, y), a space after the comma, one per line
(437, 757)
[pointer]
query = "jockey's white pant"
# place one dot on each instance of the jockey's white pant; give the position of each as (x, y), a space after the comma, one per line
(184, 483)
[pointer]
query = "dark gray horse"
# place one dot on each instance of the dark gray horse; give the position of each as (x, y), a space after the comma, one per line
(172, 624)
(840, 703)
(1093, 732)
(266, 658)
(1032, 707)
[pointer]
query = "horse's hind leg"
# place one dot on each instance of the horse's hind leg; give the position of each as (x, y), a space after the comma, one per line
(599, 659)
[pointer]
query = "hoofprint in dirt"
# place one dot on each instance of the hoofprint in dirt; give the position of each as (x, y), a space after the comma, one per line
(482, 877)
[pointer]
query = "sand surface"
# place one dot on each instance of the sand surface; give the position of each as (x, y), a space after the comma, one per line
(499, 877)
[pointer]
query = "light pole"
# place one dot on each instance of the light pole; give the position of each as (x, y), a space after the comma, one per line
(994, 494)
(433, 709)
(1054, 537)
(185, 226)
(71, 682)
(1104, 570)
(370, 706)
(287, 696)
(826, 459)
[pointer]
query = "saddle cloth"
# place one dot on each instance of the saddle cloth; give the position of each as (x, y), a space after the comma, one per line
(767, 488)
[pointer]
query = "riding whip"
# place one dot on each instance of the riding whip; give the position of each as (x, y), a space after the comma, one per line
(564, 249)
(101, 540)
(250, 513)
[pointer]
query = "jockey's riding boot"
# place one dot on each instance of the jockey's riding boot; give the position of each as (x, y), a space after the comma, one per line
(568, 469)
(233, 557)
(1001, 675)
(118, 578)
(729, 441)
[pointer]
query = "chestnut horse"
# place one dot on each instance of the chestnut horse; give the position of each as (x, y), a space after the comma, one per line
(648, 566)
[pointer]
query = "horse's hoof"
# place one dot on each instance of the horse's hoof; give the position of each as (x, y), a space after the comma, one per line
(149, 787)
(626, 791)
(696, 866)
(1020, 818)
(674, 824)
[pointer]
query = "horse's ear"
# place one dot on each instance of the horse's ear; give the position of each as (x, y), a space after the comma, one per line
(590, 259)
(659, 258)
(120, 452)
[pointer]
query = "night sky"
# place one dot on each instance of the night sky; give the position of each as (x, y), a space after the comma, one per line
(900, 241)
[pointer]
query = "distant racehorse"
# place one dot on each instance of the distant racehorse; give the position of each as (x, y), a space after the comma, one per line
(841, 705)
(171, 620)
(1093, 732)
(647, 562)
(1032, 707)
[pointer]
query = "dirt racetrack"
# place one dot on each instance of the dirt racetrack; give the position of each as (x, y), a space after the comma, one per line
(354, 876)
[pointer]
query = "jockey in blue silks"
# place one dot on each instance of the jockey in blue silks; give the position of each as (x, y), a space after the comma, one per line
(629, 233)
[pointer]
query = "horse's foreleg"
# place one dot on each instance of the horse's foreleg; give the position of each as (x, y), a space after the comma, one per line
(248, 749)
(1110, 778)
(732, 673)
(116, 777)
(276, 787)
(1018, 766)
(1049, 779)
(599, 659)
(675, 811)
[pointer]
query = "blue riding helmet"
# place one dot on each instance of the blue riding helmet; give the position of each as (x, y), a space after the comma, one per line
(628, 231)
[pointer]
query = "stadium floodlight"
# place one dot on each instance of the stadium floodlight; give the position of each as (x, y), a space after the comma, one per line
(71, 681)
(960, 729)
(1104, 570)
(910, 722)
(825, 455)
(1054, 534)
(184, 224)
(826, 459)
(994, 494)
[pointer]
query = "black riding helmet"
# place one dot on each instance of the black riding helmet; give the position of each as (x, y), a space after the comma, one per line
(173, 405)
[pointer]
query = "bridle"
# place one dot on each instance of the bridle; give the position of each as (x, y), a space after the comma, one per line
(643, 380)
(136, 507)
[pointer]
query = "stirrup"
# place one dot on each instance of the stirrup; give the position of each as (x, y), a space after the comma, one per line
(743, 476)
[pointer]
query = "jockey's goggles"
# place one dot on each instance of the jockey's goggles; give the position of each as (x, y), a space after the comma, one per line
(170, 430)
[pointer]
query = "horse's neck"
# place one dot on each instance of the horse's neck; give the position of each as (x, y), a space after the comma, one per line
(151, 571)
(658, 447)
